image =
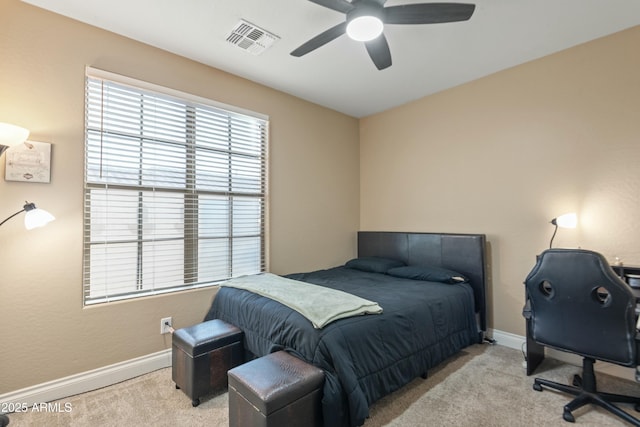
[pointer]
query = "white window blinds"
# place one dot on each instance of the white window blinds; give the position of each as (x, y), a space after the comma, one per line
(175, 190)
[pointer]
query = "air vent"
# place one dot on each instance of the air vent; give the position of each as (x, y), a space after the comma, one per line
(251, 38)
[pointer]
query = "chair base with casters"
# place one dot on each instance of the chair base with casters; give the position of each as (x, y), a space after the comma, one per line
(585, 390)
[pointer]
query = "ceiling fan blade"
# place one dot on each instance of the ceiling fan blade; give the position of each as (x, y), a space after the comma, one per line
(321, 39)
(379, 52)
(428, 13)
(338, 5)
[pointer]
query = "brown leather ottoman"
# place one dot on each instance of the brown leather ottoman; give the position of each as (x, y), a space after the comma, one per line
(201, 356)
(277, 390)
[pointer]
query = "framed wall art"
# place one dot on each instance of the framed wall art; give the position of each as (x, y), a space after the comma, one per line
(28, 162)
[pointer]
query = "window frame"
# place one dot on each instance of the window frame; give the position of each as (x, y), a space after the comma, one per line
(192, 234)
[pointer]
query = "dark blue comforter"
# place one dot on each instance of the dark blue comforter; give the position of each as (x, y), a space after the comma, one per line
(366, 357)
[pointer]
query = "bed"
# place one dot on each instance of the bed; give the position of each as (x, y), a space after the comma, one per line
(367, 357)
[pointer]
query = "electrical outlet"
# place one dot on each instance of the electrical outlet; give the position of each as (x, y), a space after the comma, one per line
(166, 324)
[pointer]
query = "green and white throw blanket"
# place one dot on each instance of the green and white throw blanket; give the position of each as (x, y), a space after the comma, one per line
(319, 304)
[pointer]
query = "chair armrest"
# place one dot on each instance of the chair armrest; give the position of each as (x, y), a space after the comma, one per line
(637, 352)
(526, 310)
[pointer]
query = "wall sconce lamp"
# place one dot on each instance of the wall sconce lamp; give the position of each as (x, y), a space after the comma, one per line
(568, 220)
(11, 135)
(34, 217)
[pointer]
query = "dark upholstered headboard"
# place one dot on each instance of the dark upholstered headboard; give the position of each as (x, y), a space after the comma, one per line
(464, 253)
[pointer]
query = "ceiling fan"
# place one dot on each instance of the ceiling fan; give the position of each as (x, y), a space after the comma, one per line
(365, 20)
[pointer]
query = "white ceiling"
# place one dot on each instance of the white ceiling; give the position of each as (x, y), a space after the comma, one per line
(340, 75)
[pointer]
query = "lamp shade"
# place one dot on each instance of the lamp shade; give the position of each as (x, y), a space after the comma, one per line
(12, 135)
(568, 220)
(35, 217)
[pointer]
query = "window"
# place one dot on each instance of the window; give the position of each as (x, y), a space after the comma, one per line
(175, 190)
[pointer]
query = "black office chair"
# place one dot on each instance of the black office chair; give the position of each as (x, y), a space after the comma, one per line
(577, 304)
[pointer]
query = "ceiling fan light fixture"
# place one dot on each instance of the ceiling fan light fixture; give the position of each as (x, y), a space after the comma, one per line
(364, 28)
(365, 20)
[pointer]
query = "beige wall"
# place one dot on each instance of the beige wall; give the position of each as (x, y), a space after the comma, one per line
(46, 333)
(504, 154)
(501, 156)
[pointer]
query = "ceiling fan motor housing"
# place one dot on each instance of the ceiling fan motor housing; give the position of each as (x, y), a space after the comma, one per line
(366, 9)
(365, 22)
(374, 11)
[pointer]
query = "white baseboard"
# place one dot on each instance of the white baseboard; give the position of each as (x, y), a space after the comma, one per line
(507, 339)
(518, 342)
(90, 380)
(112, 374)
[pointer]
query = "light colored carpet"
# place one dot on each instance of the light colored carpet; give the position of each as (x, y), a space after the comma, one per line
(482, 386)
